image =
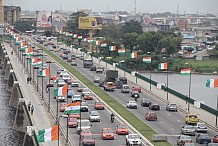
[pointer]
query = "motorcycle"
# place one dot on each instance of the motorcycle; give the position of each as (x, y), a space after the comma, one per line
(136, 98)
(112, 119)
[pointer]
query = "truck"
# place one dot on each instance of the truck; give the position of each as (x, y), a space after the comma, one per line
(191, 119)
(109, 83)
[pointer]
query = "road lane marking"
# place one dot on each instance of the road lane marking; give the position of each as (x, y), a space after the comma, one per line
(161, 121)
(178, 120)
(172, 129)
(168, 114)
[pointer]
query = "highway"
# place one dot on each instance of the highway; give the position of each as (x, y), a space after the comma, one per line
(168, 123)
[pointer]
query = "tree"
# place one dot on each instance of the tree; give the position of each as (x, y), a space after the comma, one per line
(132, 26)
(24, 26)
(113, 32)
(130, 40)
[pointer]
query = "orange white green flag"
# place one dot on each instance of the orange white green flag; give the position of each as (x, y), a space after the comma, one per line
(112, 48)
(72, 108)
(163, 65)
(147, 59)
(61, 91)
(212, 83)
(45, 72)
(185, 72)
(122, 51)
(49, 134)
(134, 55)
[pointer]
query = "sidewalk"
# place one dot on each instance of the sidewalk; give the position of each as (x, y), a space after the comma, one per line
(40, 118)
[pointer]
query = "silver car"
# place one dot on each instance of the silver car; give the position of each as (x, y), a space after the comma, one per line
(201, 127)
(182, 139)
(171, 107)
(94, 116)
(188, 130)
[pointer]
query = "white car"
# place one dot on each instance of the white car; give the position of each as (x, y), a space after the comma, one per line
(94, 116)
(63, 73)
(61, 83)
(133, 139)
(85, 124)
(66, 77)
(201, 127)
(75, 83)
(86, 91)
(131, 104)
(76, 98)
(125, 89)
(61, 99)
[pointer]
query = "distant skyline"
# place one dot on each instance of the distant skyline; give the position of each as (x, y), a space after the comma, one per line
(143, 6)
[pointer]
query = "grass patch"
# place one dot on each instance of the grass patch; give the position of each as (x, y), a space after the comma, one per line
(144, 129)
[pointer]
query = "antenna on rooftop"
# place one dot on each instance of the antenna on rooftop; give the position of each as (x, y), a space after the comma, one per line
(177, 10)
(135, 7)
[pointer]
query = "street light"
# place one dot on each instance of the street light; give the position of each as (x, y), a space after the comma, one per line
(189, 89)
(64, 116)
(149, 53)
(37, 68)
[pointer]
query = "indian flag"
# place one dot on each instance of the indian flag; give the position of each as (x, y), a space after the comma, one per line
(104, 44)
(49, 134)
(134, 55)
(147, 59)
(72, 109)
(185, 72)
(122, 51)
(90, 40)
(29, 51)
(97, 43)
(23, 45)
(33, 60)
(112, 48)
(18, 40)
(45, 72)
(37, 63)
(163, 65)
(212, 83)
(61, 91)
(73, 104)
(75, 35)
(80, 37)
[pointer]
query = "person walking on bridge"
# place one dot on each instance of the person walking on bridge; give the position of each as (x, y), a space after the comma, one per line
(29, 106)
(32, 109)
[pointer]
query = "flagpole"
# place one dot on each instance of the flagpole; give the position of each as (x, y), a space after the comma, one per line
(80, 125)
(42, 75)
(49, 93)
(216, 110)
(167, 82)
(189, 91)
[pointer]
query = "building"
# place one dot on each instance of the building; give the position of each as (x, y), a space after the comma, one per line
(11, 14)
(182, 24)
(1, 13)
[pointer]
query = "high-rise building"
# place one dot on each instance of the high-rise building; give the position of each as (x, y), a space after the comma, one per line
(1, 13)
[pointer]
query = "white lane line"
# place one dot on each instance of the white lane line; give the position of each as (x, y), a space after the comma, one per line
(168, 114)
(161, 121)
(172, 129)
(178, 120)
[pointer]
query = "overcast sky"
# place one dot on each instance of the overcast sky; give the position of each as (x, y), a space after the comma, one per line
(148, 6)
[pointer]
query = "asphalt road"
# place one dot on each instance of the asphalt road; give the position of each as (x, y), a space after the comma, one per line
(168, 122)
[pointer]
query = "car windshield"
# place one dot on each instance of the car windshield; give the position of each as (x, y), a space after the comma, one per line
(185, 137)
(76, 96)
(86, 130)
(88, 136)
(83, 103)
(193, 116)
(85, 123)
(190, 127)
(173, 105)
(75, 82)
(98, 103)
(201, 125)
(205, 136)
(61, 82)
(133, 136)
(126, 87)
(86, 90)
(97, 77)
(122, 126)
(152, 115)
(72, 120)
(107, 131)
(94, 113)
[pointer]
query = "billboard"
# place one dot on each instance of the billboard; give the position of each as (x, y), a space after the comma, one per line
(90, 22)
(44, 19)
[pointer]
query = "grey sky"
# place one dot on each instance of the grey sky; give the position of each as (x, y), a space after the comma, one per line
(148, 6)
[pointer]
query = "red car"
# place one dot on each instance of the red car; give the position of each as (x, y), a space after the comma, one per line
(137, 88)
(72, 123)
(53, 77)
(85, 131)
(215, 139)
(99, 106)
(121, 129)
(77, 116)
(69, 82)
(80, 89)
(107, 133)
(63, 107)
(88, 97)
(88, 140)
(151, 116)
(50, 84)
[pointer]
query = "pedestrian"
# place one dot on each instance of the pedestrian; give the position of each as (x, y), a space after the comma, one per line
(32, 109)
(12, 52)
(27, 80)
(47, 89)
(30, 78)
(29, 105)
(186, 99)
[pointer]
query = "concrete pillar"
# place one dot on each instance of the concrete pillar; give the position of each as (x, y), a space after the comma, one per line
(7, 70)
(5, 62)
(11, 79)
(28, 138)
(20, 121)
(3, 57)
(15, 95)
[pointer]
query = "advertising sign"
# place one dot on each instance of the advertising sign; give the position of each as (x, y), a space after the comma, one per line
(44, 19)
(90, 22)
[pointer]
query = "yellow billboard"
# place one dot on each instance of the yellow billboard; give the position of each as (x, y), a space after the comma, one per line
(90, 22)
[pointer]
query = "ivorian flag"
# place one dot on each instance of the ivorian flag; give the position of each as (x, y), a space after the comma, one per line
(23, 45)
(29, 51)
(163, 66)
(18, 40)
(122, 51)
(37, 63)
(97, 42)
(212, 83)
(49, 134)
(104, 44)
(147, 59)
(45, 72)
(61, 91)
(75, 35)
(33, 60)
(72, 109)
(134, 55)
(112, 48)
(185, 72)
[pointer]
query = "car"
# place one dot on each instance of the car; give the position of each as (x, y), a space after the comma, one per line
(69, 59)
(72, 123)
(80, 88)
(59, 70)
(100, 70)
(215, 139)
(93, 68)
(70, 93)
(118, 84)
(50, 84)
(53, 77)
(135, 94)
(74, 115)
(61, 83)
(88, 140)
(85, 131)
(75, 83)
(73, 57)
(188, 130)
(171, 107)
(94, 116)
(201, 127)
(84, 106)
(182, 139)
(137, 88)
(154, 106)
(101, 83)
(63, 106)
(123, 79)
(212, 144)
(66, 77)
(125, 89)
(107, 133)
(133, 139)
(145, 102)
(86, 91)
(74, 63)
(65, 57)
(122, 129)
(203, 138)
(85, 124)
(189, 144)
(63, 72)
(191, 119)
(131, 104)
(61, 98)
(99, 105)
(76, 98)
(151, 116)
(97, 79)
(88, 97)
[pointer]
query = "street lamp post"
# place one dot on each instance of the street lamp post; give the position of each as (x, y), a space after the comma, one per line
(216, 110)
(63, 116)
(80, 125)
(189, 89)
